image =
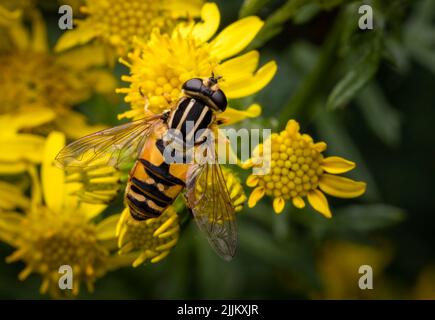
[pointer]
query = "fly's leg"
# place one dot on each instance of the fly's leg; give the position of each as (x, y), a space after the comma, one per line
(147, 101)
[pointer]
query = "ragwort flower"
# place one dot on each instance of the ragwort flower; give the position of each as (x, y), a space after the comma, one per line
(160, 65)
(20, 150)
(57, 229)
(298, 169)
(116, 23)
(34, 79)
(151, 239)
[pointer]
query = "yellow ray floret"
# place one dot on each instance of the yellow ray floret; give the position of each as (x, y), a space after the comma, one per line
(298, 170)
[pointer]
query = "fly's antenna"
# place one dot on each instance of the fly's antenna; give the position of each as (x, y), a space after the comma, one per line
(214, 79)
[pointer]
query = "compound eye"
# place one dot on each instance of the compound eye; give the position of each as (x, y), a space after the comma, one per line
(193, 85)
(219, 99)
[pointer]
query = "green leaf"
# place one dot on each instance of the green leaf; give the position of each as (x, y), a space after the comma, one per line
(306, 13)
(357, 77)
(340, 143)
(381, 117)
(275, 22)
(364, 218)
(251, 7)
(292, 255)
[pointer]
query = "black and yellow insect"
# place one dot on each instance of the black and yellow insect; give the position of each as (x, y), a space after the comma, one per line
(154, 184)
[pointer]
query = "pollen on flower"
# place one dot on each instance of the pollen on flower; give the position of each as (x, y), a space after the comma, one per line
(158, 84)
(118, 22)
(161, 64)
(152, 239)
(35, 79)
(295, 164)
(298, 169)
(51, 241)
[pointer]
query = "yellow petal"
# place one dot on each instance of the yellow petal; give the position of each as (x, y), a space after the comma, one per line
(81, 35)
(7, 168)
(106, 229)
(19, 36)
(231, 115)
(210, 17)
(341, 187)
(319, 202)
(235, 37)
(292, 127)
(8, 17)
(255, 196)
(278, 205)
(39, 33)
(83, 57)
(186, 8)
(21, 147)
(298, 202)
(29, 118)
(74, 125)
(11, 197)
(240, 65)
(252, 181)
(252, 84)
(102, 81)
(320, 146)
(53, 179)
(337, 165)
(91, 210)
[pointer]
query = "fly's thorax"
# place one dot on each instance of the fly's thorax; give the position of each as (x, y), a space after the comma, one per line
(191, 117)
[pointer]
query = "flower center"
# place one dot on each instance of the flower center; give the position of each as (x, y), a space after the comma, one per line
(141, 234)
(33, 79)
(64, 242)
(161, 66)
(120, 21)
(295, 166)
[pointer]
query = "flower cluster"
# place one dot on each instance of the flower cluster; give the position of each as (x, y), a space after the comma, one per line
(160, 65)
(53, 217)
(117, 23)
(34, 79)
(298, 169)
(56, 228)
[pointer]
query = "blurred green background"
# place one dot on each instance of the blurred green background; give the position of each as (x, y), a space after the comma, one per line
(370, 95)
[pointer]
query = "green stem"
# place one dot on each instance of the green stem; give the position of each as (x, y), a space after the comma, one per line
(313, 84)
(186, 217)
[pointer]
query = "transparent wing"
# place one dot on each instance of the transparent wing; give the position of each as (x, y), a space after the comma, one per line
(113, 147)
(211, 205)
(97, 162)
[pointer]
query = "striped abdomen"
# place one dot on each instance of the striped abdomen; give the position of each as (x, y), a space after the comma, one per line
(153, 184)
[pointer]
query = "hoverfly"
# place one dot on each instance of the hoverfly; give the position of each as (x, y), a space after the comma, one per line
(153, 184)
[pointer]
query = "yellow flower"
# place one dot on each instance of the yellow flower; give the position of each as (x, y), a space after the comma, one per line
(425, 286)
(32, 78)
(160, 66)
(235, 189)
(298, 169)
(56, 229)
(20, 151)
(151, 239)
(338, 266)
(116, 23)
(154, 238)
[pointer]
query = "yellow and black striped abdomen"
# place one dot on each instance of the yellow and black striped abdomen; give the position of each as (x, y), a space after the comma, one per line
(153, 184)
